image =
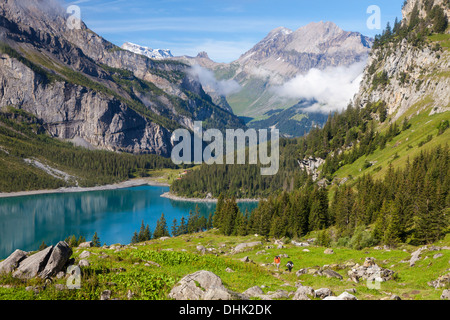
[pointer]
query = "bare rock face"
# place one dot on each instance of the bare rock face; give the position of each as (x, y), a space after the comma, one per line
(416, 74)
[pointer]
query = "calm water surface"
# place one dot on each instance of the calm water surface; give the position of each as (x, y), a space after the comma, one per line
(114, 214)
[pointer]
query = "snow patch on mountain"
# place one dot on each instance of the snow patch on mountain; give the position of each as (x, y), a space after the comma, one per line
(148, 52)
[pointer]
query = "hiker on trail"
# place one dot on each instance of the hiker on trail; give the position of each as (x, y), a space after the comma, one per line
(289, 266)
(277, 261)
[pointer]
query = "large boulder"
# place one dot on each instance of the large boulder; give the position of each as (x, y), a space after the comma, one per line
(322, 293)
(31, 266)
(331, 274)
(202, 285)
(58, 258)
(9, 264)
(253, 292)
(342, 296)
(303, 293)
(87, 244)
(243, 246)
(415, 256)
(445, 294)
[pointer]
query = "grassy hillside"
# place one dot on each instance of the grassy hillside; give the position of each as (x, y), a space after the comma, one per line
(149, 270)
(420, 136)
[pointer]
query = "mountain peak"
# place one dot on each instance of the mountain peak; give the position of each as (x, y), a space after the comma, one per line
(146, 51)
(280, 30)
(203, 55)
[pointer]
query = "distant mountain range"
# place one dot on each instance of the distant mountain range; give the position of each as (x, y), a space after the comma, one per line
(148, 52)
(279, 58)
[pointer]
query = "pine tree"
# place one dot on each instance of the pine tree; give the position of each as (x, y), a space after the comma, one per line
(135, 238)
(95, 240)
(141, 234)
(42, 246)
(318, 217)
(392, 235)
(161, 228)
(175, 228)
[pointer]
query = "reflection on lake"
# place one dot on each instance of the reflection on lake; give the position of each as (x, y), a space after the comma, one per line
(114, 214)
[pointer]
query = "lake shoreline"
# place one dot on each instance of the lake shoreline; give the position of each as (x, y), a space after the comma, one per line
(119, 185)
(174, 197)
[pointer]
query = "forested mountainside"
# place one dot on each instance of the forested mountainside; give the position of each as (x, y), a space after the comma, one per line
(380, 162)
(85, 88)
(32, 160)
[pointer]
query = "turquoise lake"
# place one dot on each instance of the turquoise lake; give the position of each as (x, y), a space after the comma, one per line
(27, 221)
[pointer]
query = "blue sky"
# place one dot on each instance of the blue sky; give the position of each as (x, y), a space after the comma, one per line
(225, 29)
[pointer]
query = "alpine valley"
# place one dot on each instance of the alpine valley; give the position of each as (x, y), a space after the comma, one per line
(360, 205)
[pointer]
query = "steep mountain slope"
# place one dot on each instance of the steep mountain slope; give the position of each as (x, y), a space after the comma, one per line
(408, 77)
(409, 69)
(83, 87)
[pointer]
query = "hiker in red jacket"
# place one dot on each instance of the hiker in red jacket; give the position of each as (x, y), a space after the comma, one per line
(277, 261)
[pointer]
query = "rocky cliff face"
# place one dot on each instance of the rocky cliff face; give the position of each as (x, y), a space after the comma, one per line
(84, 87)
(409, 75)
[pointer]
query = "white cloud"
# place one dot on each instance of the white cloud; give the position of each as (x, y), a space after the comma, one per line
(332, 88)
(207, 79)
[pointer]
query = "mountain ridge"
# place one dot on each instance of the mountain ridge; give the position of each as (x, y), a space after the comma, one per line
(111, 98)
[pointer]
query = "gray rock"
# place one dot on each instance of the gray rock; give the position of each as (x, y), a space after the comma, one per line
(201, 248)
(243, 246)
(445, 294)
(300, 296)
(343, 296)
(253, 292)
(31, 266)
(415, 256)
(87, 244)
(346, 296)
(301, 271)
(201, 285)
(395, 297)
(305, 290)
(300, 244)
(322, 293)
(372, 273)
(437, 255)
(85, 254)
(441, 281)
(279, 294)
(105, 295)
(9, 264)
(84, 263)
(331, 274)
(58, 258)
